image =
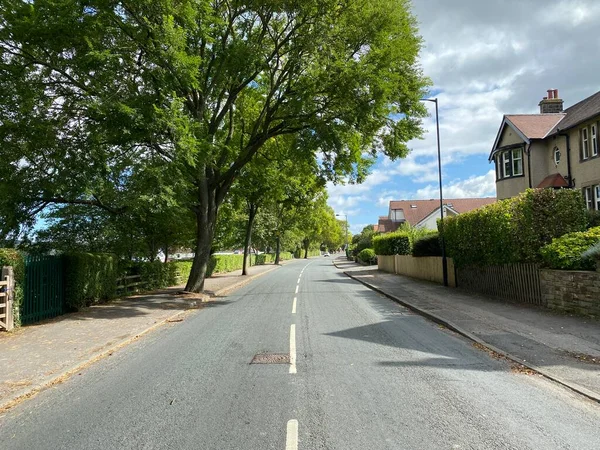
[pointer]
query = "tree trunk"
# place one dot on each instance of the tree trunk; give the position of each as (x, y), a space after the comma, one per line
(206, 219)
(166, 253)
(251, 215)
(306, 243)
(277, 250)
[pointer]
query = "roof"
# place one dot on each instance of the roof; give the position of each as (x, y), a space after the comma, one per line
(535, 126)
(556, 180)
(416, 210)
(579, 112)
(385, 225)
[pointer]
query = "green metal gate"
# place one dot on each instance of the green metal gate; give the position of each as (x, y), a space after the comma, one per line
(44, 288)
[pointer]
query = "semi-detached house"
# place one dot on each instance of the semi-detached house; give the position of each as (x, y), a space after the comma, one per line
(556, 148)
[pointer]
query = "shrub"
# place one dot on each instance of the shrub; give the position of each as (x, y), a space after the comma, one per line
(513, 230)
(592, 218)
(368, 256)
(397, 243)
(224, 263)
(566, 252)
(89, 278)
(429, 245)
(182, 272)
(14, 258)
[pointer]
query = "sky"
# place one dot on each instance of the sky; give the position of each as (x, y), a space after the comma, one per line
(486, 58)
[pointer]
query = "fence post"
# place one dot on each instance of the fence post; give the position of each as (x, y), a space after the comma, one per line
(8, 276)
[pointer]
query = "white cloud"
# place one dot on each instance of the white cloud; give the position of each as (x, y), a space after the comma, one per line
(475, 186)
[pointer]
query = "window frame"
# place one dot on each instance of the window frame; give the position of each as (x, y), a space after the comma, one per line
(588, 197)
(594, 136)
(505, 163)
(596, 192)
(585, 145)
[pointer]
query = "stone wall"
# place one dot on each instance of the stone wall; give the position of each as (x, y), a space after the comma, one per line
(571, 291)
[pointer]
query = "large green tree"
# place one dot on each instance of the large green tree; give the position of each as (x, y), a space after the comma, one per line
(99, 96)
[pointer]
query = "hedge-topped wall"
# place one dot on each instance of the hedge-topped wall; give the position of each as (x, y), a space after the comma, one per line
(14, 258)
(513, 230)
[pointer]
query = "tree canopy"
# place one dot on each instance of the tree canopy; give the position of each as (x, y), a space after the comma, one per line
(121, 104)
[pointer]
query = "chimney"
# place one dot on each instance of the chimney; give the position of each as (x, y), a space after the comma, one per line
(552, 103)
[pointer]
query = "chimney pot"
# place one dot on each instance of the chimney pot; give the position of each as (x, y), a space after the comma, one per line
(556, 93)
(550, 93)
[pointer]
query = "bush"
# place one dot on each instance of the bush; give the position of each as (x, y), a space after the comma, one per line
(368, 256)
(89, 278)
(427, 246)
(592, 218)
(513, 230)
(397, 243)
(14, 258)
(224, 263)
(565, 253)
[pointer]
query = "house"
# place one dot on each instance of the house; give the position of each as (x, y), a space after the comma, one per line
(424, 213)
(553, 149)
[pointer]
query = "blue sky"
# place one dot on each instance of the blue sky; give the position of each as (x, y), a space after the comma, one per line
(486, 59)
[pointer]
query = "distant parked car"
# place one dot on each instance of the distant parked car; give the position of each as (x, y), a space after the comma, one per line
(326, 254)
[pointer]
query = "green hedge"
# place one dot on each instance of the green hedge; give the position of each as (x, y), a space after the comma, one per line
(89, 278)
(368, 255)
(224, 263)
(14, 258)
(565, 252)
(513, 230)
(397, 243)
(427, 246)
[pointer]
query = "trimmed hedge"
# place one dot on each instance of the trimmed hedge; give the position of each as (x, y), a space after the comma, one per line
(224, 263)
(89, 278)
(397, 243)
(368, 255)
(565, 252)
(14, 258)
(513, 230)
(427, 246)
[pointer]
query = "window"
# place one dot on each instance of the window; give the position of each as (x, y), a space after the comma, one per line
(509, 163)
(594, 140)
(585, 149)
(597, 197)
(506, 164)
(556, 156)
(587, 195)
(517, 162)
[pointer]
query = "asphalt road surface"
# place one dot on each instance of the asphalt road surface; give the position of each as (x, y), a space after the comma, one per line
(363, 373)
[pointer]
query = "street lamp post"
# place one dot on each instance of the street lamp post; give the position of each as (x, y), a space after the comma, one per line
(442, 241)
(346, 219)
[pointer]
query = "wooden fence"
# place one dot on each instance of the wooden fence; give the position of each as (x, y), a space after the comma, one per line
(423, 268)
(513, 282)
(7, 291)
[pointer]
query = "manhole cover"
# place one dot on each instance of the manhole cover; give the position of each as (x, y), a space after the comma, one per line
(271, 358)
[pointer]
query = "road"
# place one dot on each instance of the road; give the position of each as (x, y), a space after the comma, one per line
(369, 374)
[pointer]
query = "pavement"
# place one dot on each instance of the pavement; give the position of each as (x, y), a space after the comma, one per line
(561, 347)
(367, 374)
(40, 355)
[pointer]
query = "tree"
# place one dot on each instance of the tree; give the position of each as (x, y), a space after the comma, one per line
(97, 97)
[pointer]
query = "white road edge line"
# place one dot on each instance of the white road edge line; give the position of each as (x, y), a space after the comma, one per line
(296, 289)
(292, 348)
(291, 438)
(294, 306)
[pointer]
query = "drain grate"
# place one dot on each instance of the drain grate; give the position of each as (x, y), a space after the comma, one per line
(271, 358)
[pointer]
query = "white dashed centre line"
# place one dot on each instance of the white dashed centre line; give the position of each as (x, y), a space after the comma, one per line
(296, 289)
(294, 306)
(292, 348)
(291, 438)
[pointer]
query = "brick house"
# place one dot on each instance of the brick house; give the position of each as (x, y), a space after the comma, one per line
(556, 148)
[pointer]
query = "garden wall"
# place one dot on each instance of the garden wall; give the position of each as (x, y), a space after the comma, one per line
(571, 291)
